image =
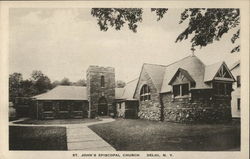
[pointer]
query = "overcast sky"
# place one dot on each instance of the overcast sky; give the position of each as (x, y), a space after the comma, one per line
(64, 42)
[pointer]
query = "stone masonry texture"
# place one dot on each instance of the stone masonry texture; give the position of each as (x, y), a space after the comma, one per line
(95, 91)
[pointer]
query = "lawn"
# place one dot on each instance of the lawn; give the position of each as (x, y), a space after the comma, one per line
(57, 121)
(144, 135)
(37, 138)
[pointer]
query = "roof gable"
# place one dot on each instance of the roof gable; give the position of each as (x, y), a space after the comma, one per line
(194, 68)
(218, 71)
(181, 76)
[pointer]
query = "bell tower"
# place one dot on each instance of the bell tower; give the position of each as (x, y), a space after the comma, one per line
(101, 90)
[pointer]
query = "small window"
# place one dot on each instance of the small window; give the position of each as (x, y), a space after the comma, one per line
(145, 93)
(185, 89)
(238, 103)
(238, 81)
(181, 90)
(47, 106)
(177, 90)
(102, 81)
(63, 106)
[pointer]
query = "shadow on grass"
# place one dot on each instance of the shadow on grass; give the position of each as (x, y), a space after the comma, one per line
(37, 138)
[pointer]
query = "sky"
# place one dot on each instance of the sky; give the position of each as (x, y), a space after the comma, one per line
(65, 42)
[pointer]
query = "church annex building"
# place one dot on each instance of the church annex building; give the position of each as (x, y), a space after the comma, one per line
(184, 91)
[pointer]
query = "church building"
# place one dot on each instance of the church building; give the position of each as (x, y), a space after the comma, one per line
(184, 91)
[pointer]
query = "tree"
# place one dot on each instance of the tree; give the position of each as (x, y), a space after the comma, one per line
(15, 80)
(55, 83)
(27, 88)
(65, 81)
(81, 82)
(205, 25)
(41, 82)
(120, 84)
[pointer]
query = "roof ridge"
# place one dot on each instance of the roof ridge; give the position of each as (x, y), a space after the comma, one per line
(234, 64)
(173, 62)
(180, 60)
(219, 62)
(154, 64)
(132, 80)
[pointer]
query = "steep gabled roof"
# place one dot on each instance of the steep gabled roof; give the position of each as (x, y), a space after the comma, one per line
(190, 64)
(212, 70)
(156, 73)
(130, 89)
(64, 93)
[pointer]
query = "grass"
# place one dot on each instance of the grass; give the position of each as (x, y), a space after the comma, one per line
(144, 135)
(57, 121)
(37, 138)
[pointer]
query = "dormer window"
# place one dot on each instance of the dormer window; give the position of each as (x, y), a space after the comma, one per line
(145, 93)
(180, 90)
(181, 83)
(102, 81)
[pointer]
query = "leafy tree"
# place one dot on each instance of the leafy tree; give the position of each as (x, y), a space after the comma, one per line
(65, 81)
(120, 84)
(55, 83)
(15, 80)
(205, 25)
(27, 88)
(81, 82)
(116, 17)
(41, 82)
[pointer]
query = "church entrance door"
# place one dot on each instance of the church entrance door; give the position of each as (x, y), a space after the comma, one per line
(102, 107)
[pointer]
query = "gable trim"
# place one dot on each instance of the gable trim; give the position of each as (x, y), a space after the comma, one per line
(138, 80)
(184, 73)
(221, 78)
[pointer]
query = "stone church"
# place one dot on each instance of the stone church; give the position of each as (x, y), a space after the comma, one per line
(184, 91)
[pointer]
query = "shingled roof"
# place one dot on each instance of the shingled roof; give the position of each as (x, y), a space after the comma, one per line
(130, 89)
(211, 70)
(195, 68)
(156, 73)
(127, 92)
(64, 93)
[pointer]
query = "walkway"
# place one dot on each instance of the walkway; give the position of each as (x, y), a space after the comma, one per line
(80, 137)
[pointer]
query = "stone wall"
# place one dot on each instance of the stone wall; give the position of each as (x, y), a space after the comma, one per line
(148, 109)
(203, 106)
(95, 91)
(56, 114)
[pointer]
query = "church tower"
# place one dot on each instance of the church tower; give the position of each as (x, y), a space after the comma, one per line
(101, 90)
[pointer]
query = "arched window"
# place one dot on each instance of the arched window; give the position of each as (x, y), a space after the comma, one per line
(145, 93)
(102, 81)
